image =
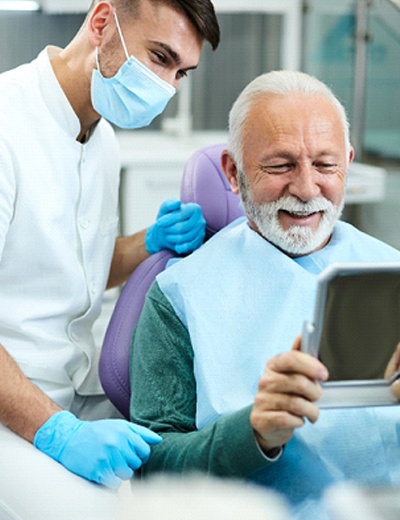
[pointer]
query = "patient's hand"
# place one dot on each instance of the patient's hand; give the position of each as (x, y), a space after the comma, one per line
(286, 394)
(394, 363)
(396, 389)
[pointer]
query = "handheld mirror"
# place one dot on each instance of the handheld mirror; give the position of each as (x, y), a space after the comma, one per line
(355, 332)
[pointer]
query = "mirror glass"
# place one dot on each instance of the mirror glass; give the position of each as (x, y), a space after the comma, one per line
(361, 325)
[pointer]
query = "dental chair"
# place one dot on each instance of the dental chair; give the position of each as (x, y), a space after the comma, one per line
(203, 182)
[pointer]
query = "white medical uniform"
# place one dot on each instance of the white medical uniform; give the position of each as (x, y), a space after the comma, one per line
(58, 224)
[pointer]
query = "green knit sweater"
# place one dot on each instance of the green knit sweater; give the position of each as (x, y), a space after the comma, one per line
(163, 398)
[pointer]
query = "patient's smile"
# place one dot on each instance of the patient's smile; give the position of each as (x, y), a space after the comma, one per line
(299, 214)
(299, 218)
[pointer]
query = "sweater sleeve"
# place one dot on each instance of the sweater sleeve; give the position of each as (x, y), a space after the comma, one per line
(163, 398)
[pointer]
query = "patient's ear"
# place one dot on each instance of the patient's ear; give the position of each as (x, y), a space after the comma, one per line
(229, 167)
(351, 155)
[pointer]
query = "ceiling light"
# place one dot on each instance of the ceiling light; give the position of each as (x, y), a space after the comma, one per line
(18, 5)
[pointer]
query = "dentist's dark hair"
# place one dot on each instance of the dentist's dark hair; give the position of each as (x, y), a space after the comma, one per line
(200, 13)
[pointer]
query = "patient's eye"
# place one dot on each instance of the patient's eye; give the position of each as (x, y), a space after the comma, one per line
(277, 168)
(326, 167)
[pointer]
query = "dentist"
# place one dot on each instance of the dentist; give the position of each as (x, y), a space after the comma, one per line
(59, 250)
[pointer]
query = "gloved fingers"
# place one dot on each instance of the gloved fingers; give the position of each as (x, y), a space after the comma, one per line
(191, 210)
(189, 214)
(168, 220)
(118, 464)
(137, 447)
(184, 226)
(186, 234)
(104, 473)
(179, 230)
(186, 248)
(110, 480)
(125, 469)
(126, 472)
(151, 240)
(147, 435)
(190, 240)
(191, 217)
(136, 456)
(123, 464)
(168, 206)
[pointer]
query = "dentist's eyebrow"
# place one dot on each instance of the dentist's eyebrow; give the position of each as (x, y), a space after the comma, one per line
(174, 55)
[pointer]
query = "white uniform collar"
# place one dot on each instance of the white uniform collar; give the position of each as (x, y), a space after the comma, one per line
(54, 96)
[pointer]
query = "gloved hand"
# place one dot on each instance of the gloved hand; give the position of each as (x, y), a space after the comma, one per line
(179, 227)
(105, 451)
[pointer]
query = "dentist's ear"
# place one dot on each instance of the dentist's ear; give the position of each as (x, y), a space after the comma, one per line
(99, 20)
(229, 167)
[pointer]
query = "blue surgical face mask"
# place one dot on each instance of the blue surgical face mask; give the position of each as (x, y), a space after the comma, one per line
(134, 96)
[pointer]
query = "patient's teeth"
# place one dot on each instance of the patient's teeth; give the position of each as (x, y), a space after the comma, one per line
(300, 214)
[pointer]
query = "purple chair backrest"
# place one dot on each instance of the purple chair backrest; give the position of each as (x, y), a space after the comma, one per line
(114, 358)
(203, 182)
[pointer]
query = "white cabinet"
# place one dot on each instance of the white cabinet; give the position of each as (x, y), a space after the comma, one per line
(365, 183)
(143, 188)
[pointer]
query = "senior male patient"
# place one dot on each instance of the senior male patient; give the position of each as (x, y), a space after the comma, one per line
(212, 366)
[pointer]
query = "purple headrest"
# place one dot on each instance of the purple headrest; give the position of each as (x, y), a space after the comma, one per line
(204, 182)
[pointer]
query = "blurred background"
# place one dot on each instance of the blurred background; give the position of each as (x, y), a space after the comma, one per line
(352, 45)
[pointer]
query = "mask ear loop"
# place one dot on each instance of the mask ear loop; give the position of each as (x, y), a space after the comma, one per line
(120, 35)
(122, 41)
(97, 59)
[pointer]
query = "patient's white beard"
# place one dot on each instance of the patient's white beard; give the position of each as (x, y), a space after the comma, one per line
(296, 240)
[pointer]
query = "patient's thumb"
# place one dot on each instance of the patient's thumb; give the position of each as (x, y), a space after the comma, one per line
(297, 343)
(395, 388)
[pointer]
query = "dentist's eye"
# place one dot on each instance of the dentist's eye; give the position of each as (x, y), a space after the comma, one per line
(181, 74)
(160, 57)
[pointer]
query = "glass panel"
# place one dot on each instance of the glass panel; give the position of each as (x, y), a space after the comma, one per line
(250, 45)
(329, 54)
(382, 118)
(329, 46)
(382, 110)
(23, 35)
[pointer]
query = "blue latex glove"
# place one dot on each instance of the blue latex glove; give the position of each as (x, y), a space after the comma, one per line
(106, 451)
(179, 227)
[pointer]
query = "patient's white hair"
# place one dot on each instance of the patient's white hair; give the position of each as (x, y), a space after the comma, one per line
(277, 82)
(197, 497)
